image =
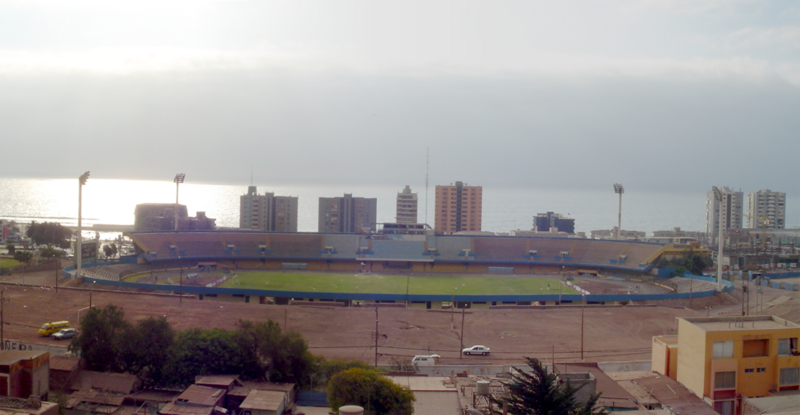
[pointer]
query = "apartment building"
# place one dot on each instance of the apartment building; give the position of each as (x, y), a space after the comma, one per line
(731, 210)
(267, 212)
(347, 214)
(459, 207)
(406, 207)
(724, 360)
(766, 209)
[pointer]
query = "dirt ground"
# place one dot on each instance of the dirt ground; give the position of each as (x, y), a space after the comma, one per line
(610, 333)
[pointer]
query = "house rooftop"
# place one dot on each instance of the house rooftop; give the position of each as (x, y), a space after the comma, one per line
(263, 400)
(742, 323)
(8, 357)
(200, 395)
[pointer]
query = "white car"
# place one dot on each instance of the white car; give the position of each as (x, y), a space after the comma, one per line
(477, 349)
(425, 360)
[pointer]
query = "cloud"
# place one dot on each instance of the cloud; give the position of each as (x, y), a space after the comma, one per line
(750, 37)
(688, 7)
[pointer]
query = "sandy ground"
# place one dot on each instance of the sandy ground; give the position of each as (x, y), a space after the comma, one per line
(610, 333)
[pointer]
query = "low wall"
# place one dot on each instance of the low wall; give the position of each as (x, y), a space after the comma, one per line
(599, 298)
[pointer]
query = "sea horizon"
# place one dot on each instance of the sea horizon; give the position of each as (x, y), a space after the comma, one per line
(112, 202)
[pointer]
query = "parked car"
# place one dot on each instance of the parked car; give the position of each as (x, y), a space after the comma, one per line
(65, 334)
(477, 349)
(425, 360)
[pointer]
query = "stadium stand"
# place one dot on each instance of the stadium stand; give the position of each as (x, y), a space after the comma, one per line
(330, 251)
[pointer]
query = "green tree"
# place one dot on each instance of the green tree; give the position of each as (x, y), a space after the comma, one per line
(370, 390)
(23, 256)
(325, 369)
(274, 355)
(538, 393)
(145, 350)
(100, 338)
(51, 252)
(199, 352)
(49, 233)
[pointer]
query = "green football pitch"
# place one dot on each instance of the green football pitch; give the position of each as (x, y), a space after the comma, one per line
(396, 284)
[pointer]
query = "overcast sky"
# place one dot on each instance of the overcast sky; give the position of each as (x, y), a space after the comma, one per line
(659, 94)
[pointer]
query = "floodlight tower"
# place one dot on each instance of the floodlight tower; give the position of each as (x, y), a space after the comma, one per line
(178, 180)
(618, 189)
(79, 240)
(718, 196)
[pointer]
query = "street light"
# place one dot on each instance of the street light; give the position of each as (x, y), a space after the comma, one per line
(618, 189)
(718, 196)
(81, 181)
(178, 180)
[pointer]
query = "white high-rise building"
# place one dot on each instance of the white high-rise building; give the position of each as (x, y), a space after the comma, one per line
(406, 206)
(732, 202)
(766, 209)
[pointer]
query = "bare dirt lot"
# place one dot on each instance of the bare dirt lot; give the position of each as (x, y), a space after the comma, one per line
(610, 333)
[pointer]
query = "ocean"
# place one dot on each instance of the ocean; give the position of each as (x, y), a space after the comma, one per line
(113, 202)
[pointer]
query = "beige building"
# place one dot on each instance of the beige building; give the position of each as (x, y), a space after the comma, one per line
(267, 212)
(459, 208)
(406, 207)
(347, 214)
(724, 360)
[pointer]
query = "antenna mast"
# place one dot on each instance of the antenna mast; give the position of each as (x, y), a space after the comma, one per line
(427, 173)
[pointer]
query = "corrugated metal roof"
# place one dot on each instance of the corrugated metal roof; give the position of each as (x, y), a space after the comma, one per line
(675, 396)
(218, 380)
(263, 400)
(64, 363)
(172, 409)
(201, 395)
(108, 382)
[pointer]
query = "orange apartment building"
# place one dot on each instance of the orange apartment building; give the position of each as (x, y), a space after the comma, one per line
(725, 360)
(459, 207)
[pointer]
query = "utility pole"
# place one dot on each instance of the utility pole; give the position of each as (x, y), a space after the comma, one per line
(461, 355)
(376, 336)
(2, 321)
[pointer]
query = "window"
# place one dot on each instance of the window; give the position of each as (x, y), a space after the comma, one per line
(723, 349)
(751, 370)
(761, 370)
(790, 376)
(787, 346)
(725, 380)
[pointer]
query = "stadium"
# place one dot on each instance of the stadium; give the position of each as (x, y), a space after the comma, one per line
(208, 263)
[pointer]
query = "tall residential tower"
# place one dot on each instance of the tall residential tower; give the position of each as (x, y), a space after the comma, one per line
(458, 208)
(267, 212)
(347, 214)
(406, 206)
(731, 210)
(766, 209)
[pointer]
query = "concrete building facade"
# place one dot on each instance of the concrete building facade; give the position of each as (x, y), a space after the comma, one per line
(406, 206)
(732, 202)
(726, 359)
(347, 214)
(766, 209)
(267, 212)
(459, 208)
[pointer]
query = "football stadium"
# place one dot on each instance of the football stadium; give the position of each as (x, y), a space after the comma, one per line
(423, 271)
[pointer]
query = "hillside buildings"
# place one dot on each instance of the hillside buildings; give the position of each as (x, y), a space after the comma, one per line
(347, 214)
(459, 208)
(267, 212)
(724, 360)
(553, 222)
(406, 207)
(766, 209)
(731, 209)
